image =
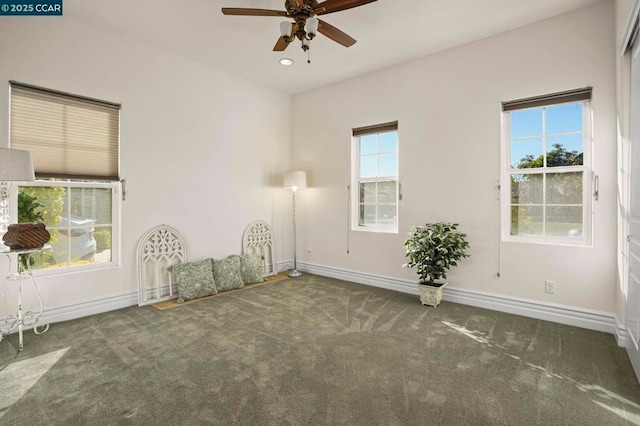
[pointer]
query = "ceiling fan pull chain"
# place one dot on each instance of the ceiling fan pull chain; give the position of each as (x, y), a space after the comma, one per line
(308, 56)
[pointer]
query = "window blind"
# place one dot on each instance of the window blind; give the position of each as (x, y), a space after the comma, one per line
(378, 128)
(576, 95)
(69, 136)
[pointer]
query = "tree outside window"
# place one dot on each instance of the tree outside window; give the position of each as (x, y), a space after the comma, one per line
(547, 171)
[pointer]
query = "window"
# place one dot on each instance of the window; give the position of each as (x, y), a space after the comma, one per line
(546, 168)
(79, 215)
(74, 142)
(374, 186)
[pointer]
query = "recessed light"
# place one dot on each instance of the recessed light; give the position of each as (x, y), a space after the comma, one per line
(286, 61)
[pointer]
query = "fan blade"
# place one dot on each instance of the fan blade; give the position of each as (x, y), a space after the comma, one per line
(331, 6)
(335, 34)
(252, 12)
(281, 44)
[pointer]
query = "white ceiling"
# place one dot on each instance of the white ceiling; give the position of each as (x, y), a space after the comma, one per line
(388, 32)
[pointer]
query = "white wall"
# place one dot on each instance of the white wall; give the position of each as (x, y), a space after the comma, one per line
(448, 109)
(201, 150)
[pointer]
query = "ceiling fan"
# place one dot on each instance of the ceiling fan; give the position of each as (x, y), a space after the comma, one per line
(305, 24)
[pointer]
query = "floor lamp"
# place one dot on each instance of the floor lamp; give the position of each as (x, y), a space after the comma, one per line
(295, 179)
(15, 165)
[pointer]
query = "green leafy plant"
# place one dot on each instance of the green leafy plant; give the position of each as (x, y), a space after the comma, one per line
(51, 202)
(41, 204)
(29, 209)
(434, 248)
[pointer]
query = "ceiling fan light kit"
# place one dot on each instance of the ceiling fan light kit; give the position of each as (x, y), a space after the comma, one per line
(305, 25)
(312, 25)
(285, 28)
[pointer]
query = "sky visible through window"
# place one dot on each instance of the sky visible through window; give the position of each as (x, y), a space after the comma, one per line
(561, 124)
(379, 155)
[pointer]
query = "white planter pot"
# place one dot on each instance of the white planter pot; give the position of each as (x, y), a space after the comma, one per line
(430, 294)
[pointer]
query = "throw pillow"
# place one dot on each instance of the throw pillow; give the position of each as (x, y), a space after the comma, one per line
(194, 279)
(251, 268)
(226, 273)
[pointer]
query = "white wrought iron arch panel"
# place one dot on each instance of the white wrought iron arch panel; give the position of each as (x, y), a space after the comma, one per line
(258, 238)
(159, 250)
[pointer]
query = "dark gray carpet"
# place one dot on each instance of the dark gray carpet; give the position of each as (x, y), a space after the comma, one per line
(316, 351)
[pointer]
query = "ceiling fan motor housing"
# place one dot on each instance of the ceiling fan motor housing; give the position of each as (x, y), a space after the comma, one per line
(294, 10)
(300, 14)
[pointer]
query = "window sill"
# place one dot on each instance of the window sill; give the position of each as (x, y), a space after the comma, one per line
(375, 230)
(565, 242)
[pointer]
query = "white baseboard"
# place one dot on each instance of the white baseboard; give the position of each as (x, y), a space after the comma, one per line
(621, 333)
(592, 320)
(86, 308)
(284, 265)
(106, 304)
(91, 307)
(584, 318)
(98, 306)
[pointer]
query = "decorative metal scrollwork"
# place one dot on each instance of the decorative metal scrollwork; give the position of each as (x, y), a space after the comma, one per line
(4, 208)
(258, 238)
(159, 250)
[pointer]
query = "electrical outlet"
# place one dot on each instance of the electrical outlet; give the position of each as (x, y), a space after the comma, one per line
(550, 287)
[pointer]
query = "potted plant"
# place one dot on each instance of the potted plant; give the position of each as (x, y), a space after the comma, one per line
(433, 249)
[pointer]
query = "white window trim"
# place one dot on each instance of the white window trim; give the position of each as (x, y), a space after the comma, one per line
(354, 195)
(115, 223)
(587, 179)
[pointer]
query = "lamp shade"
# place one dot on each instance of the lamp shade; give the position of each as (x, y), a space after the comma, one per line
(16, 165)
(295, 179)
